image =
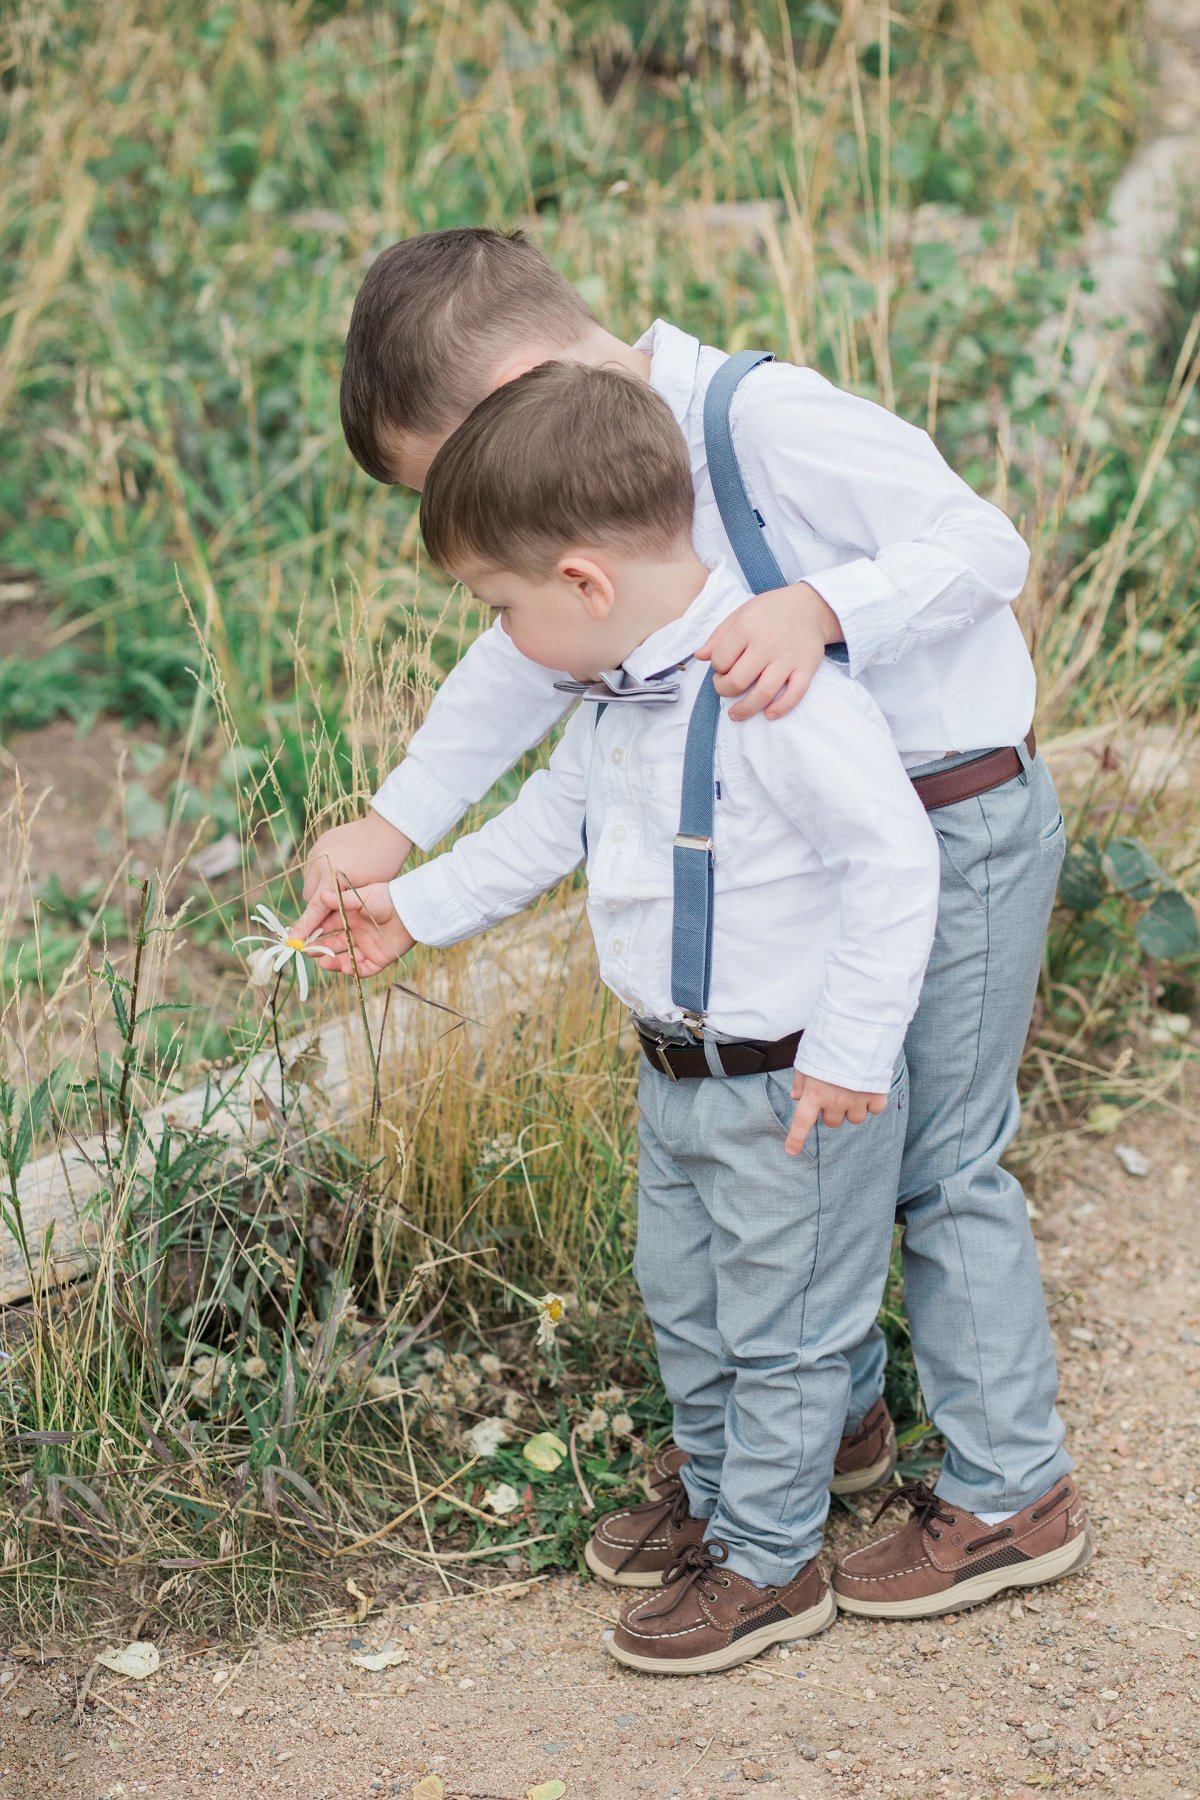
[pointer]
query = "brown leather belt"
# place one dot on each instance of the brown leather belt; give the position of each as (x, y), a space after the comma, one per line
(968, 779)
(687, 1062)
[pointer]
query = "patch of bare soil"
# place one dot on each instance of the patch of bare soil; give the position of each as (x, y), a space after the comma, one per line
(63, 816)
(1091, 1686)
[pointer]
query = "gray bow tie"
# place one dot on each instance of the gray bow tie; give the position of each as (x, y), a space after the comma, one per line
(618, 686)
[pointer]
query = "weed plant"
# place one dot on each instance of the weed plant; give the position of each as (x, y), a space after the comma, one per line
(313, 1354)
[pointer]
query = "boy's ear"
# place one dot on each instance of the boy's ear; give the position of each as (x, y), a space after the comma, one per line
(593, 585)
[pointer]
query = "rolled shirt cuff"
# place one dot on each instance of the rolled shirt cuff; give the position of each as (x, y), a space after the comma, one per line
(428, 902)
(414, 801)
(868, 608)
(850, 1053)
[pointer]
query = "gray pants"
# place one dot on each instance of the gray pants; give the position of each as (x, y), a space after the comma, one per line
(973, 1290)
(760, 1272)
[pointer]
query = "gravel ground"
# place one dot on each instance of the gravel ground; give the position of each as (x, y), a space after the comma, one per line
(1089, 1686)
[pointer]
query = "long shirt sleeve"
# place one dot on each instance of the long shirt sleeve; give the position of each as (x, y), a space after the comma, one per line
(498, 870)
(819, 463)
(492, 707)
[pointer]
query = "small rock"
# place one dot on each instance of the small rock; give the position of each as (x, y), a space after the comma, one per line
(808, 1753)
(1045, 1747)
(1131, 1160)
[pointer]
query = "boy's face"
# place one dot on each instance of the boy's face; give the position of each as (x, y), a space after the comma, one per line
(569, 619)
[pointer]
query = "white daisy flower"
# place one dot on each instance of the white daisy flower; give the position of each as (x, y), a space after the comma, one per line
(550, 1310)
(282, 946)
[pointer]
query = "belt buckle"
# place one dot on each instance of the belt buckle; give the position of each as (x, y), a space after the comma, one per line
(659, 1047)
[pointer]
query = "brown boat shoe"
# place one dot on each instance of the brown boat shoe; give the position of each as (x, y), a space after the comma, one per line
(944, 1559)
(636, 1546)
(865, 1458)
(707, 1618)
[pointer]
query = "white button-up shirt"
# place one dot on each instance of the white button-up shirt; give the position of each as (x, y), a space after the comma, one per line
(920, 571)
(826, 867)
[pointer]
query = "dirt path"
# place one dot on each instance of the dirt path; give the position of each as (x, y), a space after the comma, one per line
(1089, 1686)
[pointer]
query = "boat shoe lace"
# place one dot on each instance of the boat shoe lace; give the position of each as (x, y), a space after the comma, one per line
(931, 1512)
(671, 1508)
(696, 1566)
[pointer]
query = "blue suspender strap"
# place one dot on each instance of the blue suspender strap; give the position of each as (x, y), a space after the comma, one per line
(692, 924)
(743, 527)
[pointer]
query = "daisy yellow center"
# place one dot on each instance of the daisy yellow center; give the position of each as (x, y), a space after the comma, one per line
(294, 943)
(554, 1310)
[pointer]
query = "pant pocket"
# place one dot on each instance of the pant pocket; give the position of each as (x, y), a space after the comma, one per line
(777, 1091)
(777, 1087)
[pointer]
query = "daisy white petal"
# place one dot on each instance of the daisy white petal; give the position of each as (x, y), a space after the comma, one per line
(267, 917)
(284, 956)
(261, 967)
(302, 977)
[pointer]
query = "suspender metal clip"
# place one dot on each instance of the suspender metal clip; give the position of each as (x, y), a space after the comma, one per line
(686, 840)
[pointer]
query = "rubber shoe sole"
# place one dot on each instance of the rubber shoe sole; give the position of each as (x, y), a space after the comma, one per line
(806, 1624)
(859, 1480)
(629, 1578)
(1067, 1560)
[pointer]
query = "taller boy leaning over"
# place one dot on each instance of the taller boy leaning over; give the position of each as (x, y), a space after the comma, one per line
(885, 550)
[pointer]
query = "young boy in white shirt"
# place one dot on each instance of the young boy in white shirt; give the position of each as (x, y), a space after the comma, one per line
(877, 544)
(763, 899)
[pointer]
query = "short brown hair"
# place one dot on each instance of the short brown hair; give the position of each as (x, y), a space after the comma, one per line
(433, 318)
(566, 454)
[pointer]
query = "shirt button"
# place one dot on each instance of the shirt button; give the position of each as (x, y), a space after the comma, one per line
(616, 945)
(618, 834)
(617, 758)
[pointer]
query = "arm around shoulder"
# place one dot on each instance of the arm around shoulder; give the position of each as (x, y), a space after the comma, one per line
(934, 556)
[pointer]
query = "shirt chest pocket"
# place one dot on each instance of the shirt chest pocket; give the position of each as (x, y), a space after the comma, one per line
(660, 793)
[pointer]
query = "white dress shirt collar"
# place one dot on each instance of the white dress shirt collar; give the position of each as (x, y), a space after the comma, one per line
(674, 361)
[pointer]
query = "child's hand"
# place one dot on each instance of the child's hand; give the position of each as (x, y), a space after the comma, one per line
(823, 1100)
(769, 649)
(379, 936)
(366, 851)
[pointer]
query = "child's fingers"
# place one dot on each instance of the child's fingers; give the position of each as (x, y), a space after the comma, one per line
(757, 698)
(791, 693)
(727, 643)
(804, 1118)
(347, 898)
(740, 673)
(312, 917)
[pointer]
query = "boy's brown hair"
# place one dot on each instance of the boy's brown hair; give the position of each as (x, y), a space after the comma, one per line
(433, 319)
(565, 455)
